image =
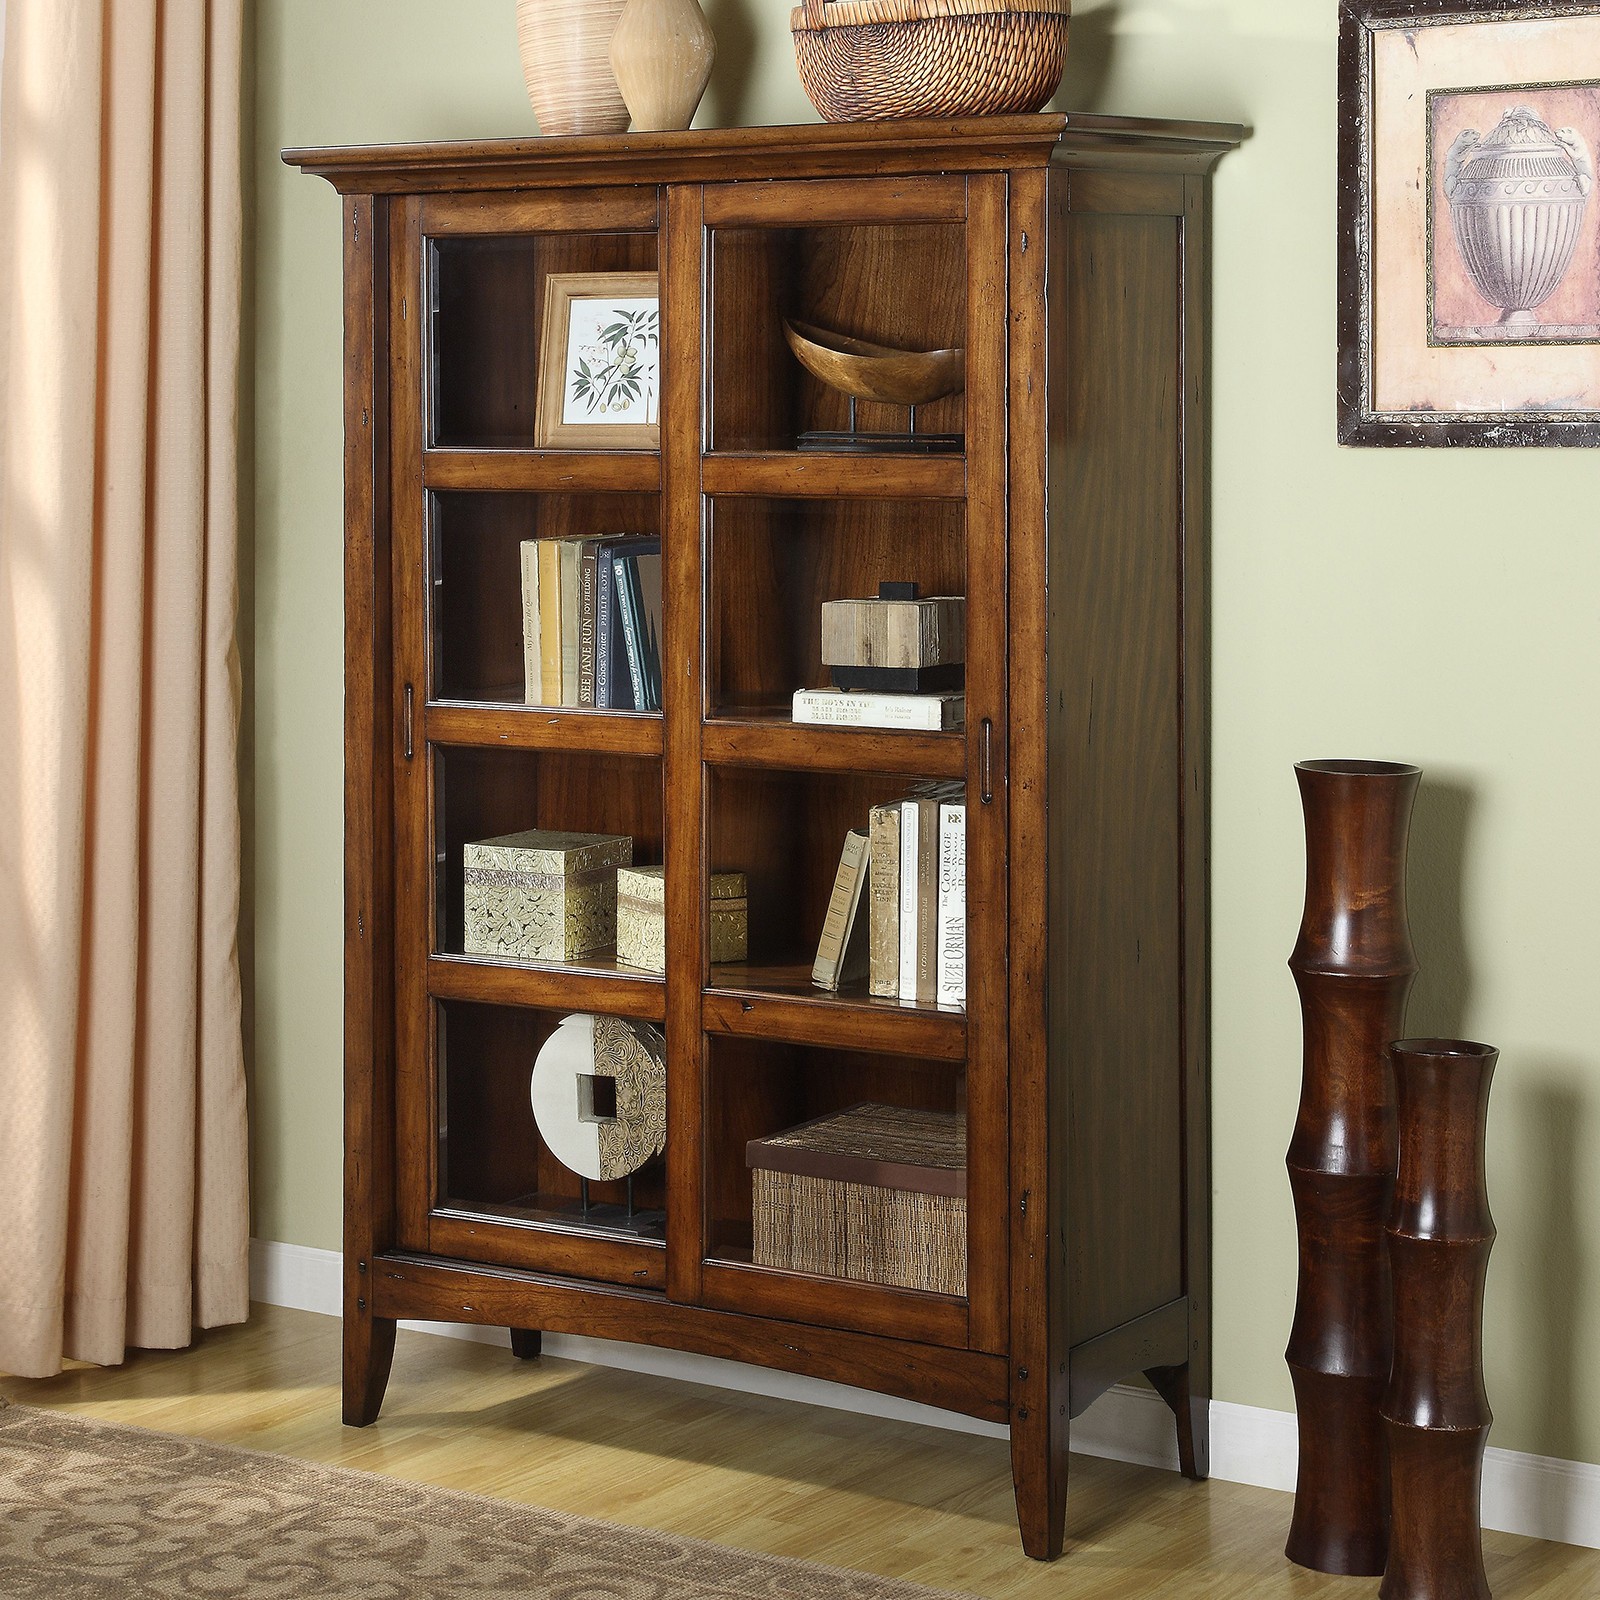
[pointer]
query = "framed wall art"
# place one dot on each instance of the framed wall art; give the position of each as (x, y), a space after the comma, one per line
(600, 362)
(1469, 227)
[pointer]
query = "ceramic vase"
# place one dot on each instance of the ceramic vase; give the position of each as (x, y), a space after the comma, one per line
(1435, 1411)
(566, 64)
(1517, 202)
(662, 53)
(1353, 964)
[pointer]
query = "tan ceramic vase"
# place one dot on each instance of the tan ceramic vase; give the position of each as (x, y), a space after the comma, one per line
(661, 54)
(566, 65)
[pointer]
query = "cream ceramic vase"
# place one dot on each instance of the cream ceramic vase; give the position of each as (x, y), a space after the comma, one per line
(566, 65)
(662, 54)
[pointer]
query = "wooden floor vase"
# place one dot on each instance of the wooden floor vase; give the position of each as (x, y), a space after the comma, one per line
(1354, 965)
(1435, 1412)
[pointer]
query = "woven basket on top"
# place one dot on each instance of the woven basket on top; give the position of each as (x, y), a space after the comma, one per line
(862, 59)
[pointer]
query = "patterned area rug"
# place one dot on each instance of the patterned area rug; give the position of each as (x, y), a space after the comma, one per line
(96, 1509)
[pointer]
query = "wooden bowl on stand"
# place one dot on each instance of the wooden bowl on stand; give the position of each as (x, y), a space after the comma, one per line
(876, 372)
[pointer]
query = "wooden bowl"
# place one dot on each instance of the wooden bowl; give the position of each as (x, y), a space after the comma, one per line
(875, 371)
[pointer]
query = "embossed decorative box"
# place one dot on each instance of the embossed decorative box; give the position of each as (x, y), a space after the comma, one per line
(642, 917)
(542, 896)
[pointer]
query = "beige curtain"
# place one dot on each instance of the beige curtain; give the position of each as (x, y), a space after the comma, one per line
(123, 1203)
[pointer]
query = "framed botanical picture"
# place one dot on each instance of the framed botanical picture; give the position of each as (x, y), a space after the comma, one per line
(1469, 270)
(600, 362)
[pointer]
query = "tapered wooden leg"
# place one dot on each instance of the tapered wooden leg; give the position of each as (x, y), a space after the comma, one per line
(526, 1343)
(368, 1353)
(1193, 1414)
(1039, 1475)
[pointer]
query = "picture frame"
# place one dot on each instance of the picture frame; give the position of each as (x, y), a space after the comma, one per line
(600, 362)
(1469, 222)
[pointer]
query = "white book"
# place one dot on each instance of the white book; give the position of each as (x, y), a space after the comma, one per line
(952, 935)
(532, 693)
(849, 708)
(910, 822)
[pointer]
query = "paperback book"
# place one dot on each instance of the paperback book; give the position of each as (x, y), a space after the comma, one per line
(845, 708)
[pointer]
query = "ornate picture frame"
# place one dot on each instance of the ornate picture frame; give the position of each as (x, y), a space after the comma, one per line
(600, 362)
(1469, 222)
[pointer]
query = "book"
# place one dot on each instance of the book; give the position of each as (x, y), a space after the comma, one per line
(613, 685)
(950, 972)
(842, 949)
(549, 622)
(605, 698)
(625, 569)
(919, 887)
(648, 564)
(927, 981)
(883, 904)
(638, 579)
(571, 557)
(910, 881)
(588, 576)
(894, 632)
(928, 713)
(533, 693)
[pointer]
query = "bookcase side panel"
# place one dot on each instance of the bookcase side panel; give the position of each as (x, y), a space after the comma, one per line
(369, 1157)
(1115, 668)
(683, 252)
(1039, 1221)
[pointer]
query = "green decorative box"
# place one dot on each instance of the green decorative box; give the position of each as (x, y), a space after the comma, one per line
(542, 896)
(642, 917)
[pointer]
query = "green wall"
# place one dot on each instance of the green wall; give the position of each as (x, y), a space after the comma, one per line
(1440, 607)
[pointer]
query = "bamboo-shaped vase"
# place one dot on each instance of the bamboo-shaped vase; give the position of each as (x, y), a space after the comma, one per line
(1435, 1411)
(1354, 965)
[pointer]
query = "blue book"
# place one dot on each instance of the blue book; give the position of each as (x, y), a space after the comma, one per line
(613, 682)
(625, 570)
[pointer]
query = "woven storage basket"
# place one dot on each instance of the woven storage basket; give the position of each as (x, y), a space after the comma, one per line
(875, 1193)
(865, 59)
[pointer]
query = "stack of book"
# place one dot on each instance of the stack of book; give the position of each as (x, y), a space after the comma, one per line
(896, 662)
(591, 623)
(910, 867)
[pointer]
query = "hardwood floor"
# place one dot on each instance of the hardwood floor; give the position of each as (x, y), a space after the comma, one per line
(756, 1473)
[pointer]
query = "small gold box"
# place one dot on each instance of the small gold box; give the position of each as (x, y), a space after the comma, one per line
(642, 917)
(543, 896)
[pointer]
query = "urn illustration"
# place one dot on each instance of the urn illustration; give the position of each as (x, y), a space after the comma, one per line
(1517, 200)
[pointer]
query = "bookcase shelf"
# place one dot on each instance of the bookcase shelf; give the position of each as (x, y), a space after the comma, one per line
(732, 1282)
(493, 725)
(595, 983)
(766, 737)
(547, 471)
(1067, 261)
(782, 1003)
(821, 475)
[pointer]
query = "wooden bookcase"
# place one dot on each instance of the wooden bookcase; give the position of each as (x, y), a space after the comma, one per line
(1069, 257)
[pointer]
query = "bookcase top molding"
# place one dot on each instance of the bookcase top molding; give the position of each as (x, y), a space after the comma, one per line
(810, 150)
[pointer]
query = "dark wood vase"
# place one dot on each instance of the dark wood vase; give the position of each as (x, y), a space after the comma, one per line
(1435, 1412)
(1354, 965)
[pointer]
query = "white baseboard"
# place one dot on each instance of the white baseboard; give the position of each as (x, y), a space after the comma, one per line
(1534, 1495)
